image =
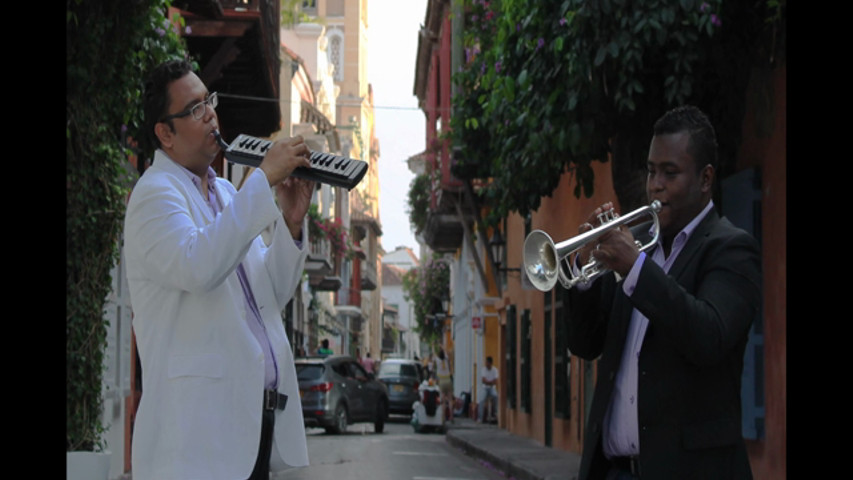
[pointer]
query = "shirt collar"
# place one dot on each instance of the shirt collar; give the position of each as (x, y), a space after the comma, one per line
(685, 232)
(211, 177)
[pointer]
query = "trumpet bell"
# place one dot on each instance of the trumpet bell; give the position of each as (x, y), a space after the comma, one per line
(544, 260)
(541, 261)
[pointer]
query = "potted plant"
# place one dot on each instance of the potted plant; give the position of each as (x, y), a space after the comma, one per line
(338, 238)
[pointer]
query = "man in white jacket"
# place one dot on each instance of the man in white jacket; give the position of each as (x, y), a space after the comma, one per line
(220, 395)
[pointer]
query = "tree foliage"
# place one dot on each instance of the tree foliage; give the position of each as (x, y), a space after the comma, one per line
(550, 86)
(418, 200)
(109, 48)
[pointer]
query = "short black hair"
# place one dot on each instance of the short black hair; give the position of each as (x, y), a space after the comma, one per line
(702, 145)
(155, 98)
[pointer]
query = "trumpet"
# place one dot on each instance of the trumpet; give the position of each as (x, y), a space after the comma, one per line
(546, 262)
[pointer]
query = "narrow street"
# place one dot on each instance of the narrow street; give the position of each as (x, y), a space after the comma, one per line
(396, 454)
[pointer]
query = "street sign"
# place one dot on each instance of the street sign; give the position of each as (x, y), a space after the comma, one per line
(476, 322)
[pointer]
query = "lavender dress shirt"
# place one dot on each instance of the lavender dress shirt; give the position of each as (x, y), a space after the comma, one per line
(253, 315)
(621, 432)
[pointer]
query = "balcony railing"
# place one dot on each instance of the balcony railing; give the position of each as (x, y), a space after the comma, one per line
(390, 339)
(319, 260)
(388, 345)
(443, 231)
(349, 296)
(368, 275)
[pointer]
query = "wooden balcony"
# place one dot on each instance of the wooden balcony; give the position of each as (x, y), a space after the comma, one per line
(320, 266)
(444, 230)
(236, 43)
(348, 302)
(319, 260)
(325, 283)
(368, 275)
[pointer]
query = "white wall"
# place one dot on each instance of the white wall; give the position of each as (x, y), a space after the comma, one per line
(117, 363)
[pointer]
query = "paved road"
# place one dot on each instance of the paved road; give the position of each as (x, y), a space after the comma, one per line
(396, 454)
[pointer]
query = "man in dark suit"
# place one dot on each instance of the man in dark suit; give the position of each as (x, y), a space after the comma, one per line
(670, 326)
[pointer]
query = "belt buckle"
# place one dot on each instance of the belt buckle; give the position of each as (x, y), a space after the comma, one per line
(270, 399)
(634, 465)
(274, 400)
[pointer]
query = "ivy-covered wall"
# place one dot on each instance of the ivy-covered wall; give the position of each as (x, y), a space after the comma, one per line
(110, 46)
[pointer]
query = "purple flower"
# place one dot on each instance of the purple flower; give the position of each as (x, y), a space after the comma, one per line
(188, 30)
(160, 31)
(540, 43)
(498, 67)
(715, 20)
(704, 7)
(563, 22)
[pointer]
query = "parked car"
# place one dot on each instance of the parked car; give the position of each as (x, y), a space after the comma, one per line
(336, 391)
(402, 377)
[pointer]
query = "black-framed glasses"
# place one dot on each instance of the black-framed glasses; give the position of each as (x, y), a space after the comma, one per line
(198, 110)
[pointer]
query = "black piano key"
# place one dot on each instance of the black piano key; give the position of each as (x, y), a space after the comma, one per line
(346, 171)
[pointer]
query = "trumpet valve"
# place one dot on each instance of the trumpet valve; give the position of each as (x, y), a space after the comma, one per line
(607, 216)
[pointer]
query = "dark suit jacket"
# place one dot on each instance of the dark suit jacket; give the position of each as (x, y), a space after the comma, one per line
(691, 361)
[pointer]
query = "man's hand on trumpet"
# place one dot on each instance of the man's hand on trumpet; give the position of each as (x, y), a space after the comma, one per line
(615, 250)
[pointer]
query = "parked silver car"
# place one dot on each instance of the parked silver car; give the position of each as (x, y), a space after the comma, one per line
(402, 377)
(336, 391)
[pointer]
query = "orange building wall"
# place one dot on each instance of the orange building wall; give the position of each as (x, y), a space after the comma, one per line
(768, 457)
(559, 216)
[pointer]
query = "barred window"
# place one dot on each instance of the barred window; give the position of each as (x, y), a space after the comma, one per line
(336, 55)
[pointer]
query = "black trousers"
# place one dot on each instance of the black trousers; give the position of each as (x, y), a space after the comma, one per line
(262, 463)
(623, 468)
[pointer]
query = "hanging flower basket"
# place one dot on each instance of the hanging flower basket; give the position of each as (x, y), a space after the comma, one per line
(320, 228)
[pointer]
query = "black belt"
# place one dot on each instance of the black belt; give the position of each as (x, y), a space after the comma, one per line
(274, 400)
(629, 464)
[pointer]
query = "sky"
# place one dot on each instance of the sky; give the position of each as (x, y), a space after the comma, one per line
(393, 27)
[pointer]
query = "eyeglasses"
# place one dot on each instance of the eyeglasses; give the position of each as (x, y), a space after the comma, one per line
(197, 110)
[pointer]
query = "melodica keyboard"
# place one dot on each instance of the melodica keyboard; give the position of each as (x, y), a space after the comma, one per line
(326, 168)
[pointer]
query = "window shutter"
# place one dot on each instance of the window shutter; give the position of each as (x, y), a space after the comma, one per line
(741, 204)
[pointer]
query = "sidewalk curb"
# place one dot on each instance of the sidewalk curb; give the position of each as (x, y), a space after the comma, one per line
(519, 458)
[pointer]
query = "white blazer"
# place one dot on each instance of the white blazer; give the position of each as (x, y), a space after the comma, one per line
(202, 369)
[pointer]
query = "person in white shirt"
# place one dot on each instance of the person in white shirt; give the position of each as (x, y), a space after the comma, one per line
(489, 378)
(443, 372)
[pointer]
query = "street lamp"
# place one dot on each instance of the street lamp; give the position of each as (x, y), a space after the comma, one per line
(498, 245)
